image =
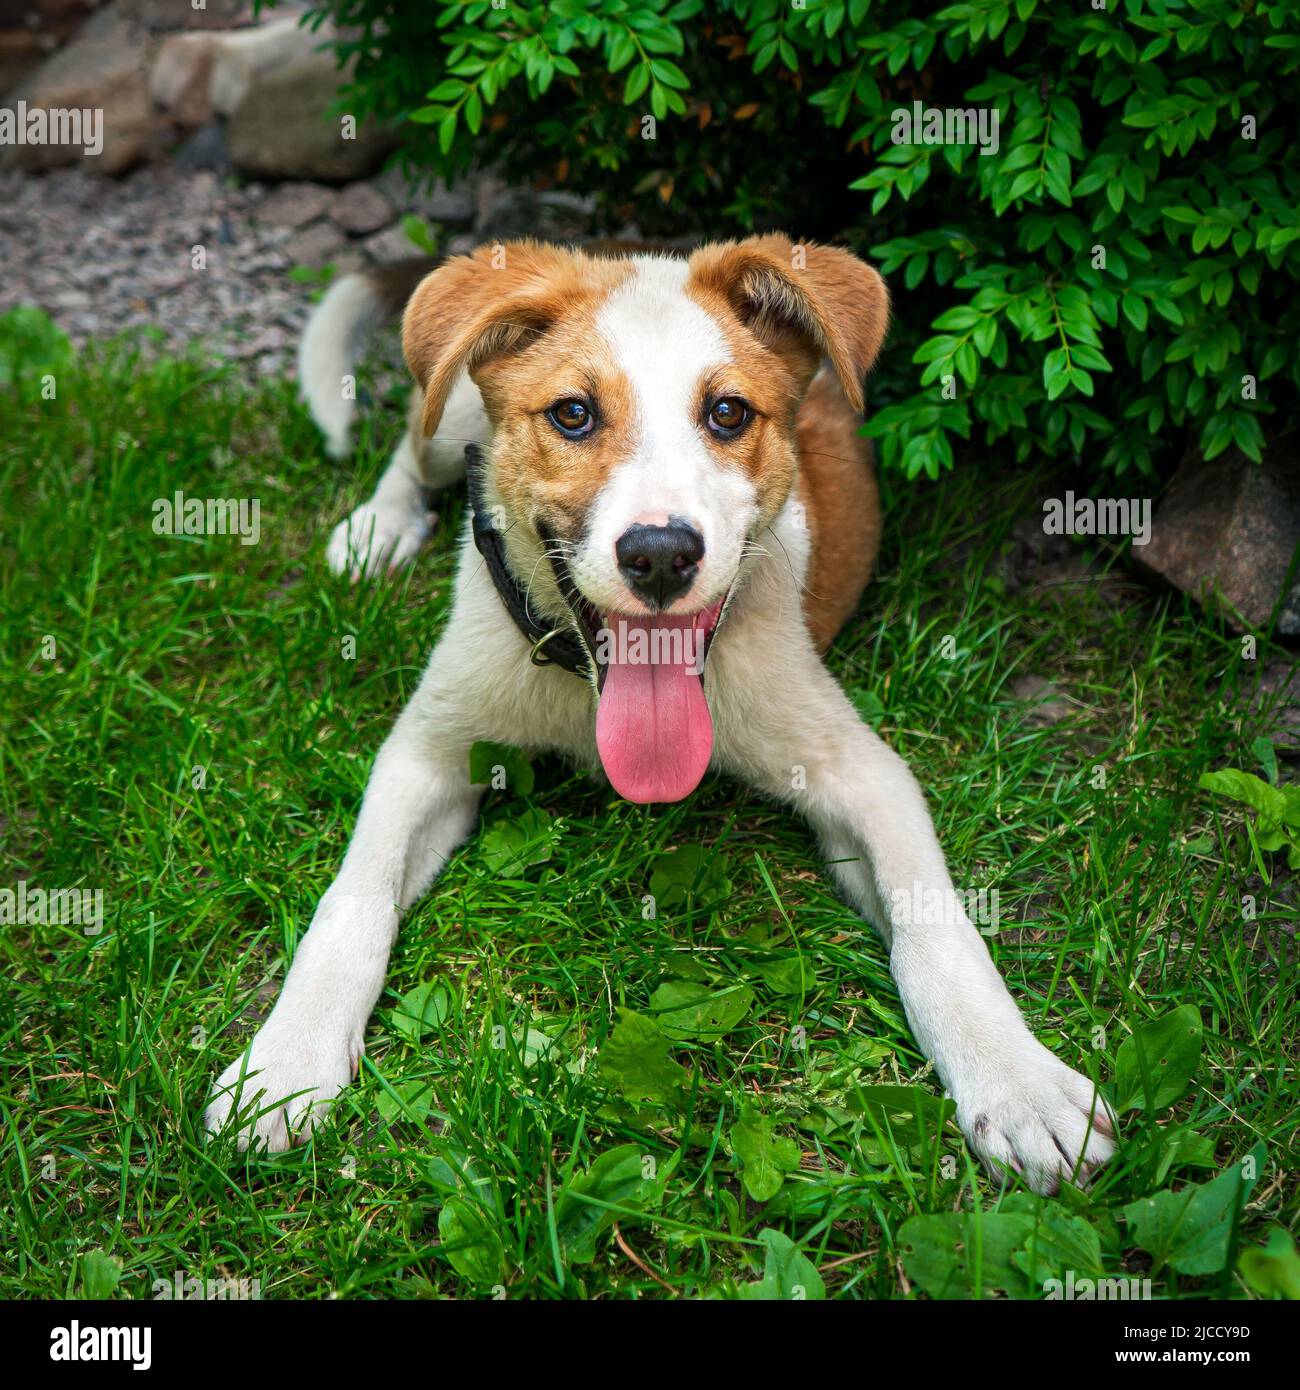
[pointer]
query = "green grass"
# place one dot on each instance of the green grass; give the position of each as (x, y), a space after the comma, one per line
(1119, 903)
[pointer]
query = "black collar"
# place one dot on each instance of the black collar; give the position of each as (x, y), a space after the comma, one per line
(552, 644)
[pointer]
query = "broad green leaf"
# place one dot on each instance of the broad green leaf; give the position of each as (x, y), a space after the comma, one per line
(100, 1274)
(1272, 1269)
(634, 1060)
(965, 1254)
(470, 1242)
(1189, 1230)
(408, 1100)
(690, 874)
(501, 766)
(421, 1010)
(908, 1114)
(788, 1274)
(686, 1009)
(1056, 1241)
(1247, 788)
(1154, 1065)
(767, 1157)
(626, 1177)
(512, 847)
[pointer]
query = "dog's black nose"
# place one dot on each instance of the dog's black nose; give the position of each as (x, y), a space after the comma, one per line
(659, 562)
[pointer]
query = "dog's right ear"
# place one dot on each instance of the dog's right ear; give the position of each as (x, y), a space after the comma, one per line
(476, 307)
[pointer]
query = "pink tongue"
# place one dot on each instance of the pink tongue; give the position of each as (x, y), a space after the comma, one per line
(653, 727)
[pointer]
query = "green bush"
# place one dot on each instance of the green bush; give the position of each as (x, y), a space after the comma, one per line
(1118, 280)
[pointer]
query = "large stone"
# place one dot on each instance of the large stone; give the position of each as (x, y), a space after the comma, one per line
(104, 71)
(165, 16)
(181, 78)
(32, 30)
(243, 55)
(296, 204)
(1229, 528)
(452, 205)
(362, 208)
(283, 127)
(511, 212)
(315, 245)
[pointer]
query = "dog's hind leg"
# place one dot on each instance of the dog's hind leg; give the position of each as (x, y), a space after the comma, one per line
(390, 529)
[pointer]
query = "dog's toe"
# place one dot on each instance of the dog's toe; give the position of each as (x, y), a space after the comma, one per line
(1049, 1126)
(375, 540)
(281, 1088)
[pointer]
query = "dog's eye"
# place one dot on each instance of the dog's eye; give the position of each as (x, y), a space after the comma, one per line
(728, 416)
(571, 418)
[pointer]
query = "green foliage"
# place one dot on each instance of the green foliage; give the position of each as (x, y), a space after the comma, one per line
(1153, 1067)
(1116, 280)
(1273, 1269)
(1277, 809)
(765, 1156)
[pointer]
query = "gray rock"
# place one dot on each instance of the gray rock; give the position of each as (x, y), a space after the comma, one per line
(452, 206)
(392, 244)
(315, 245)
(1225, 533)
(522, 212)
(164, 16)
(361, 208)
(104, 69)
(281, 128)
(296, 204)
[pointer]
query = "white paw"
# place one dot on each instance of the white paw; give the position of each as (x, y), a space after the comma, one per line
(1037, 1118)
(290, 1077)
(377, 538)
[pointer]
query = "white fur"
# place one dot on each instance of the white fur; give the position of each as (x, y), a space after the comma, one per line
(390, 529)
(331, 345)
(663, 342)
(781, 724)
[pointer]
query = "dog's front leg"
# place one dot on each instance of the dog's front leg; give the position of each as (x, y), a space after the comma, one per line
(1019, 1106)
(390, 529)
(419, 805)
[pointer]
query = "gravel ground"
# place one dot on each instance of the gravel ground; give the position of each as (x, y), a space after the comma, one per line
(103, 255)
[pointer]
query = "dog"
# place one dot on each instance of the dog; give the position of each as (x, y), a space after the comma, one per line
(673, 514)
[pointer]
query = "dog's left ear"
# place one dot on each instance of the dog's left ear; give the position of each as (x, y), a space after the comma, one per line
(836, 303)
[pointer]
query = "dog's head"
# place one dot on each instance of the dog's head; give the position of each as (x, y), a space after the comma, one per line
(643, 414)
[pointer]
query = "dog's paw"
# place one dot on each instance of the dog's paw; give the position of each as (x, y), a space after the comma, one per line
(283, 1086)
(1042, 1120)
(375, 538)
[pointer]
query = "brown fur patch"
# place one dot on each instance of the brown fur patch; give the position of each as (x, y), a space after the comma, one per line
(522, 320)
(837, 485)
(783, 290)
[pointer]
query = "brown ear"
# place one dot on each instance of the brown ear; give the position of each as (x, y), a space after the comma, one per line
(475, 307)
(834, 301)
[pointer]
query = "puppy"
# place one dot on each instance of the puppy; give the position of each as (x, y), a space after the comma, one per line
(673, 514)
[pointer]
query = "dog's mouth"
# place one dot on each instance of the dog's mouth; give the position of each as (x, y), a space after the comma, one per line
(654, 731)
